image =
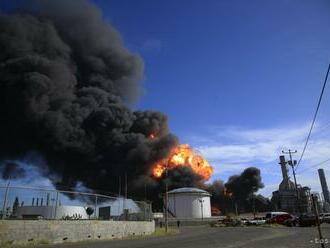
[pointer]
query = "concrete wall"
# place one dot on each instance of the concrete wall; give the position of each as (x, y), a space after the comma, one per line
(58, 231)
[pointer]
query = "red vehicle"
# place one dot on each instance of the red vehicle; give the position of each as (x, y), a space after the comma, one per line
(215, 211)
(282, 219)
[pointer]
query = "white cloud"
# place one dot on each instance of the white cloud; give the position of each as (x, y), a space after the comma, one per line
(231, 149)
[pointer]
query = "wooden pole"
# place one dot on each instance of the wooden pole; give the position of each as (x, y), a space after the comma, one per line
(316, 212)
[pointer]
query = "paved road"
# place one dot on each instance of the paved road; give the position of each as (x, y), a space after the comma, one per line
(224, 237)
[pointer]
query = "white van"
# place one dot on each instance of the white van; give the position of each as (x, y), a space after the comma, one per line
(270, 215)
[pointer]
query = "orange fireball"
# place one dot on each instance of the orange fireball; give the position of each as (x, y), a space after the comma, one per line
(152, 136)
(184, 155)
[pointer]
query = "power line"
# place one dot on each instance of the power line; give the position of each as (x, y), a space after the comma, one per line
(313, 166)
(315, 115)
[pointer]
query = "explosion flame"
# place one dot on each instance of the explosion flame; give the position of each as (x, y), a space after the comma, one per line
(184, 155)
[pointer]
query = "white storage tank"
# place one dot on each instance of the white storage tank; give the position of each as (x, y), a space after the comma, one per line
(187, 203)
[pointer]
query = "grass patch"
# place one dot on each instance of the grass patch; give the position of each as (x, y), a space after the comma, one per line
(12, 244)
(161, 232)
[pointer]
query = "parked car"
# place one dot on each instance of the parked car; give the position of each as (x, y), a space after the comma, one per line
(244, 221)
(215, 211)
(271, 215)
(307, 220)
(256, 221)
(283, 219)
(294, 221)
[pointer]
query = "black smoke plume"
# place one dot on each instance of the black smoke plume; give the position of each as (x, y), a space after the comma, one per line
(66, 87)
(241, 188)
(245, 184)
(238, 193)
(11, 170)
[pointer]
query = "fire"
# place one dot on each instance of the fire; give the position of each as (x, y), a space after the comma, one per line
(152, 136)
(184, 155)
(158, 170)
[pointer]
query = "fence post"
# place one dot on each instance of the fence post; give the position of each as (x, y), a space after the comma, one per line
(56, 202)
(145, 210)
(95, 215)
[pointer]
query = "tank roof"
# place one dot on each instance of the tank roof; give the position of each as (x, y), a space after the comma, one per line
(189, 190)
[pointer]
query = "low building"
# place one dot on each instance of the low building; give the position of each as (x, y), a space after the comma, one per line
(116, 208)
(189, 203)
(51, 212)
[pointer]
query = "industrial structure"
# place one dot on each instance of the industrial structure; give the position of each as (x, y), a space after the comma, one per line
(50, 212)
(116, 208)
(289, 197)
(325, 190)
(189, 203)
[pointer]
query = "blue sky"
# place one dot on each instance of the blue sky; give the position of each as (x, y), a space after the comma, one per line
(238, 79)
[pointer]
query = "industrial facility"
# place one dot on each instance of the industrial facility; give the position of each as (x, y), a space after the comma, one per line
(111, 208)
(50, 212)
(189, 203)
(288, 197)
(325, 191)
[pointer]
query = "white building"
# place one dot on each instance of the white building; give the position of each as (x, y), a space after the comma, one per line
(117, 206)
(187, 203)
(49, 212)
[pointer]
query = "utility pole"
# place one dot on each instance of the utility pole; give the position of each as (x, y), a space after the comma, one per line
(166, 198)
(254, 206)
(5, 200)
(293, 163)
(316, 212)
(125, 207)
(125, 185)
(119, 186)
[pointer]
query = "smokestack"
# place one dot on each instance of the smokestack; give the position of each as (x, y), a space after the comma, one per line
(37, 201)
(284, 168)
(33, 201)
(324, 186)
(41, 201)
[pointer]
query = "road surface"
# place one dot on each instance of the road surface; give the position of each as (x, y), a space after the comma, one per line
(219, 237)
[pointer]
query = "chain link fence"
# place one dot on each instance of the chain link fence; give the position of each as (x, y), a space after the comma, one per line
(37, 203)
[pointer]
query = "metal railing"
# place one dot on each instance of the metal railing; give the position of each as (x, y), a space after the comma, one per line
(19, 202)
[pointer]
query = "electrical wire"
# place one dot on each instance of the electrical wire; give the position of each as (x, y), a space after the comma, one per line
(315, 115)
(313, 166)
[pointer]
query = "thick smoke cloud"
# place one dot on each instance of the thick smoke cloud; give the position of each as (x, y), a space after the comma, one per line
(245, 184)
(66, 84)
(11, 170)
(238, 193)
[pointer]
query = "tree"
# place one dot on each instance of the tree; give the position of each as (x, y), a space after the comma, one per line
(89, 212)
(15, 206)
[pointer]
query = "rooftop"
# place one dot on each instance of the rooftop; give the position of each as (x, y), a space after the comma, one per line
(188, 190)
